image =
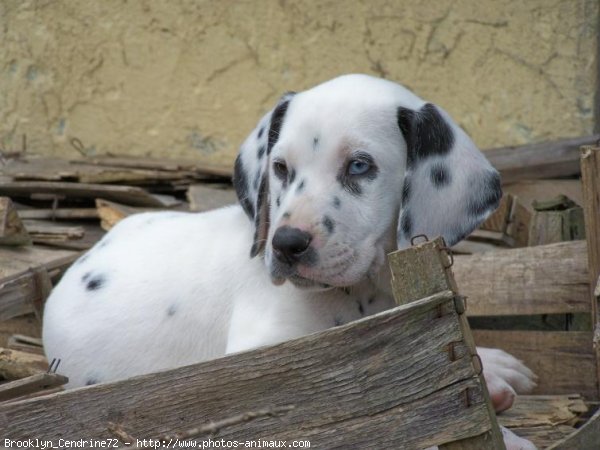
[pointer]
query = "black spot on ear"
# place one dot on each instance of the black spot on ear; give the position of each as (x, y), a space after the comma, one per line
(291, 176)
(487, 196)
(91, 381)
(337, 202)
(261, 151)
(260, 132)
(300, 187)
(440, 175)
(171, 310)
(406, 191)
(278, 201)
(426, 133)
(361, 309)
(315, 143)
(95, 283)
(241, 187)
(337, 322)
(406, 224)
(329, 224)
(276, 122)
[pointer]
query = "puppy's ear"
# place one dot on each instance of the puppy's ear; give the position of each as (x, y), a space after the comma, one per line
(449, 187)
(251, 171)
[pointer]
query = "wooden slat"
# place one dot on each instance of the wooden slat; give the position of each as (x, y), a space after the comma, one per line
(544, 419)
(590, 178)
(528, 191)
(422, 270)
(204, 197)
(123, 194)
(542, 160)
(30, 385)
(564, 361)
(586, 437)
(23, 277)
(380, 382)
(547, 279)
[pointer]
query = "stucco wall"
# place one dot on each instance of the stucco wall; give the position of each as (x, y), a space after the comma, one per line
(190, 78)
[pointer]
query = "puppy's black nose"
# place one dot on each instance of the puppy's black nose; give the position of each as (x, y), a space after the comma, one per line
(290, 243)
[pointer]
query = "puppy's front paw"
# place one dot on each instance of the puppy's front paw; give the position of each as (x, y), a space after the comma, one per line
(505, 377)
(514, 442)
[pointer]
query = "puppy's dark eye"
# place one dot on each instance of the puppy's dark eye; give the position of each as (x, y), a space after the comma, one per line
(280, 169)
(358, 167)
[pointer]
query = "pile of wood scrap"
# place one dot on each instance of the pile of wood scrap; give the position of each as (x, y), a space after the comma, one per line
(538, 181)
(53, 209)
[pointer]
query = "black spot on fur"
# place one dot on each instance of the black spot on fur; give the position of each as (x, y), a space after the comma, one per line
(371, 300)
(337, 202)
(95, 283)
(426, 133)
(300, 187)
(329, 224)
(315, 143)
(171, 310)
(276, 122)
(91, 381)
(440, 175)
(487, 196)
(286, 215)
(261, 151)
(406, 225)
(260, 132)
(86, 276)
(361, 309)
(291, 176)
(406, 191)
(241, 187)
(337, 322)
(278, 201)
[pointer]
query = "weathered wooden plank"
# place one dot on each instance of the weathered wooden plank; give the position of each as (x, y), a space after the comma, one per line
(59, 213)
(27, 324)
(204, 197)
(30, 385)
(544, 410)
(419, 271)
(24, 277)
(547, 279)
(12, 231)
(542, 160)
(564, 360)
(129, 195)
(590, 178)
(527, 191)
(585, 438)
(15, 364)
(380, 382)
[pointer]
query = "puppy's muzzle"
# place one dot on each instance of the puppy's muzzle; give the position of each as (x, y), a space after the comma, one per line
(290, 245)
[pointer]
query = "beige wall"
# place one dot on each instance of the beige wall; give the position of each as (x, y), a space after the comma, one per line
(190, 78)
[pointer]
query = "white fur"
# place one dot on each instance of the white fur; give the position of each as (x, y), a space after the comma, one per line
(177, 288)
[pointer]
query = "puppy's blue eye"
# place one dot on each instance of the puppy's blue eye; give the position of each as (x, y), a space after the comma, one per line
(358, 167)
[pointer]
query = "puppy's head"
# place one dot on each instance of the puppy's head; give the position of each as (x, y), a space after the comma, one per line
(337, 176)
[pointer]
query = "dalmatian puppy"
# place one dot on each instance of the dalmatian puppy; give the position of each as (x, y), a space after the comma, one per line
(330, 181)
